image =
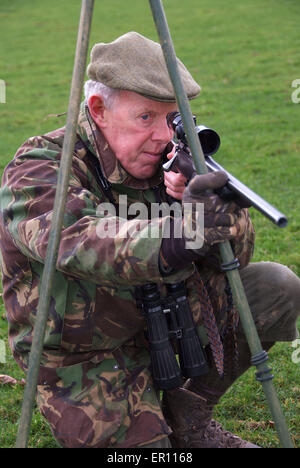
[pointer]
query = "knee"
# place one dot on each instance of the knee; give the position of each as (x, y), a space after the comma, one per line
(270, 278)
(273, 293)
(287, 283)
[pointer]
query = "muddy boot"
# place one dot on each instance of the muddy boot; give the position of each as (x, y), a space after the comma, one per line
(188, 410)
(190, 417)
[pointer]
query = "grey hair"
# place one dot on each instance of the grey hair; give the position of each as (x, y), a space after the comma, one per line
(99, 89)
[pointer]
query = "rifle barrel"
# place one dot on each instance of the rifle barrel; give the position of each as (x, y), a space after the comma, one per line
(246, 193)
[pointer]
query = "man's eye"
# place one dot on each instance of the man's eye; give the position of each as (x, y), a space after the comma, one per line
(145, 117)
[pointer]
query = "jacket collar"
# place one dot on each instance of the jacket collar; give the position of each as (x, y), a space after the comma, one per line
(114, 172)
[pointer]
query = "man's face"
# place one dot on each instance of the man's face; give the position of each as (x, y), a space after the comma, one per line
(136, 130)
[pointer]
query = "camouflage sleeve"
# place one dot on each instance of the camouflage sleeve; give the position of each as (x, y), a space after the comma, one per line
(104, 249)
(242, 245)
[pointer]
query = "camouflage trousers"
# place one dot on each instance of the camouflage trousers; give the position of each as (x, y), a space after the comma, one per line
(86, 409)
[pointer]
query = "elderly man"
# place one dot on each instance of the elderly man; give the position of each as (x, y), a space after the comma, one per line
(95, 384)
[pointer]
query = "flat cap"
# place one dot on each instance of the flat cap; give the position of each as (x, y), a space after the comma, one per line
(134, 63)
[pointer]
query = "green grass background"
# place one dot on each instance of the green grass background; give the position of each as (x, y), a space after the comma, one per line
(245, 55)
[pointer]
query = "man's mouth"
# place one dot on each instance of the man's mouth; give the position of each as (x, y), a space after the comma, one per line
(153, 155)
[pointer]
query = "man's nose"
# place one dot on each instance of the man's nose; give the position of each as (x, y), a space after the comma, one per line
(162, 132)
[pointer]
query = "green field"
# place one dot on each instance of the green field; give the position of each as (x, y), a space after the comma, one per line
(245, 55)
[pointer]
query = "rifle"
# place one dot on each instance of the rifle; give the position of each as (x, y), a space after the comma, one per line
(234, 189)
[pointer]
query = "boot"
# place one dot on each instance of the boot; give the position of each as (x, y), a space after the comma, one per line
(188, 410)
(190, 417)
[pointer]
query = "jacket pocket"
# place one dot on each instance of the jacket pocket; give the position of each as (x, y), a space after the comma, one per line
(117, 318)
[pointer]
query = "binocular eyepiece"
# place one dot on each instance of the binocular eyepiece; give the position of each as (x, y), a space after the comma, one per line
(209, 139)
(170, 319)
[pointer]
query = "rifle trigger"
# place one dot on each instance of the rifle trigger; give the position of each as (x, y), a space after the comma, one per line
(167, 167)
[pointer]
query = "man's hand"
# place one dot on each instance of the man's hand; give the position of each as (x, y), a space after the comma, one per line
(223, 221)
(175, 182)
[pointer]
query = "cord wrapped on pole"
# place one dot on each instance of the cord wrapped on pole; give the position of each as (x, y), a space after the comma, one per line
(259, 356)
(57, 221)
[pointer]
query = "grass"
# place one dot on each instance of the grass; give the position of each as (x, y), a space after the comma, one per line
(245, 55)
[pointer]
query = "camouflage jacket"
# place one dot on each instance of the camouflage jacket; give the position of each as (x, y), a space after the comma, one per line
(93, 315)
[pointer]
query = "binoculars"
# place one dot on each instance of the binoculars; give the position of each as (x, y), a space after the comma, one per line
(170, 321)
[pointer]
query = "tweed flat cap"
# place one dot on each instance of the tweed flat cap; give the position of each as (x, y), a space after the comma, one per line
(134, 63)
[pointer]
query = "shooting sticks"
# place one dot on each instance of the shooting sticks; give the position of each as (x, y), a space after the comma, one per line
(259, 356)
(58, 213)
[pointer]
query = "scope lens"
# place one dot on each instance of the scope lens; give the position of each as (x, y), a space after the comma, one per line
(209, 139)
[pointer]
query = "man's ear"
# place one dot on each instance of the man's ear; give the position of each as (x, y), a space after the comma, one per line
(97, 110)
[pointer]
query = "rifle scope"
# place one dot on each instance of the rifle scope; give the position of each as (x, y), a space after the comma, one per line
(209, 139)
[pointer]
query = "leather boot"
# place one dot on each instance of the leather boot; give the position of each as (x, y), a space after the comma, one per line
(188, 410)
(190, 417)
